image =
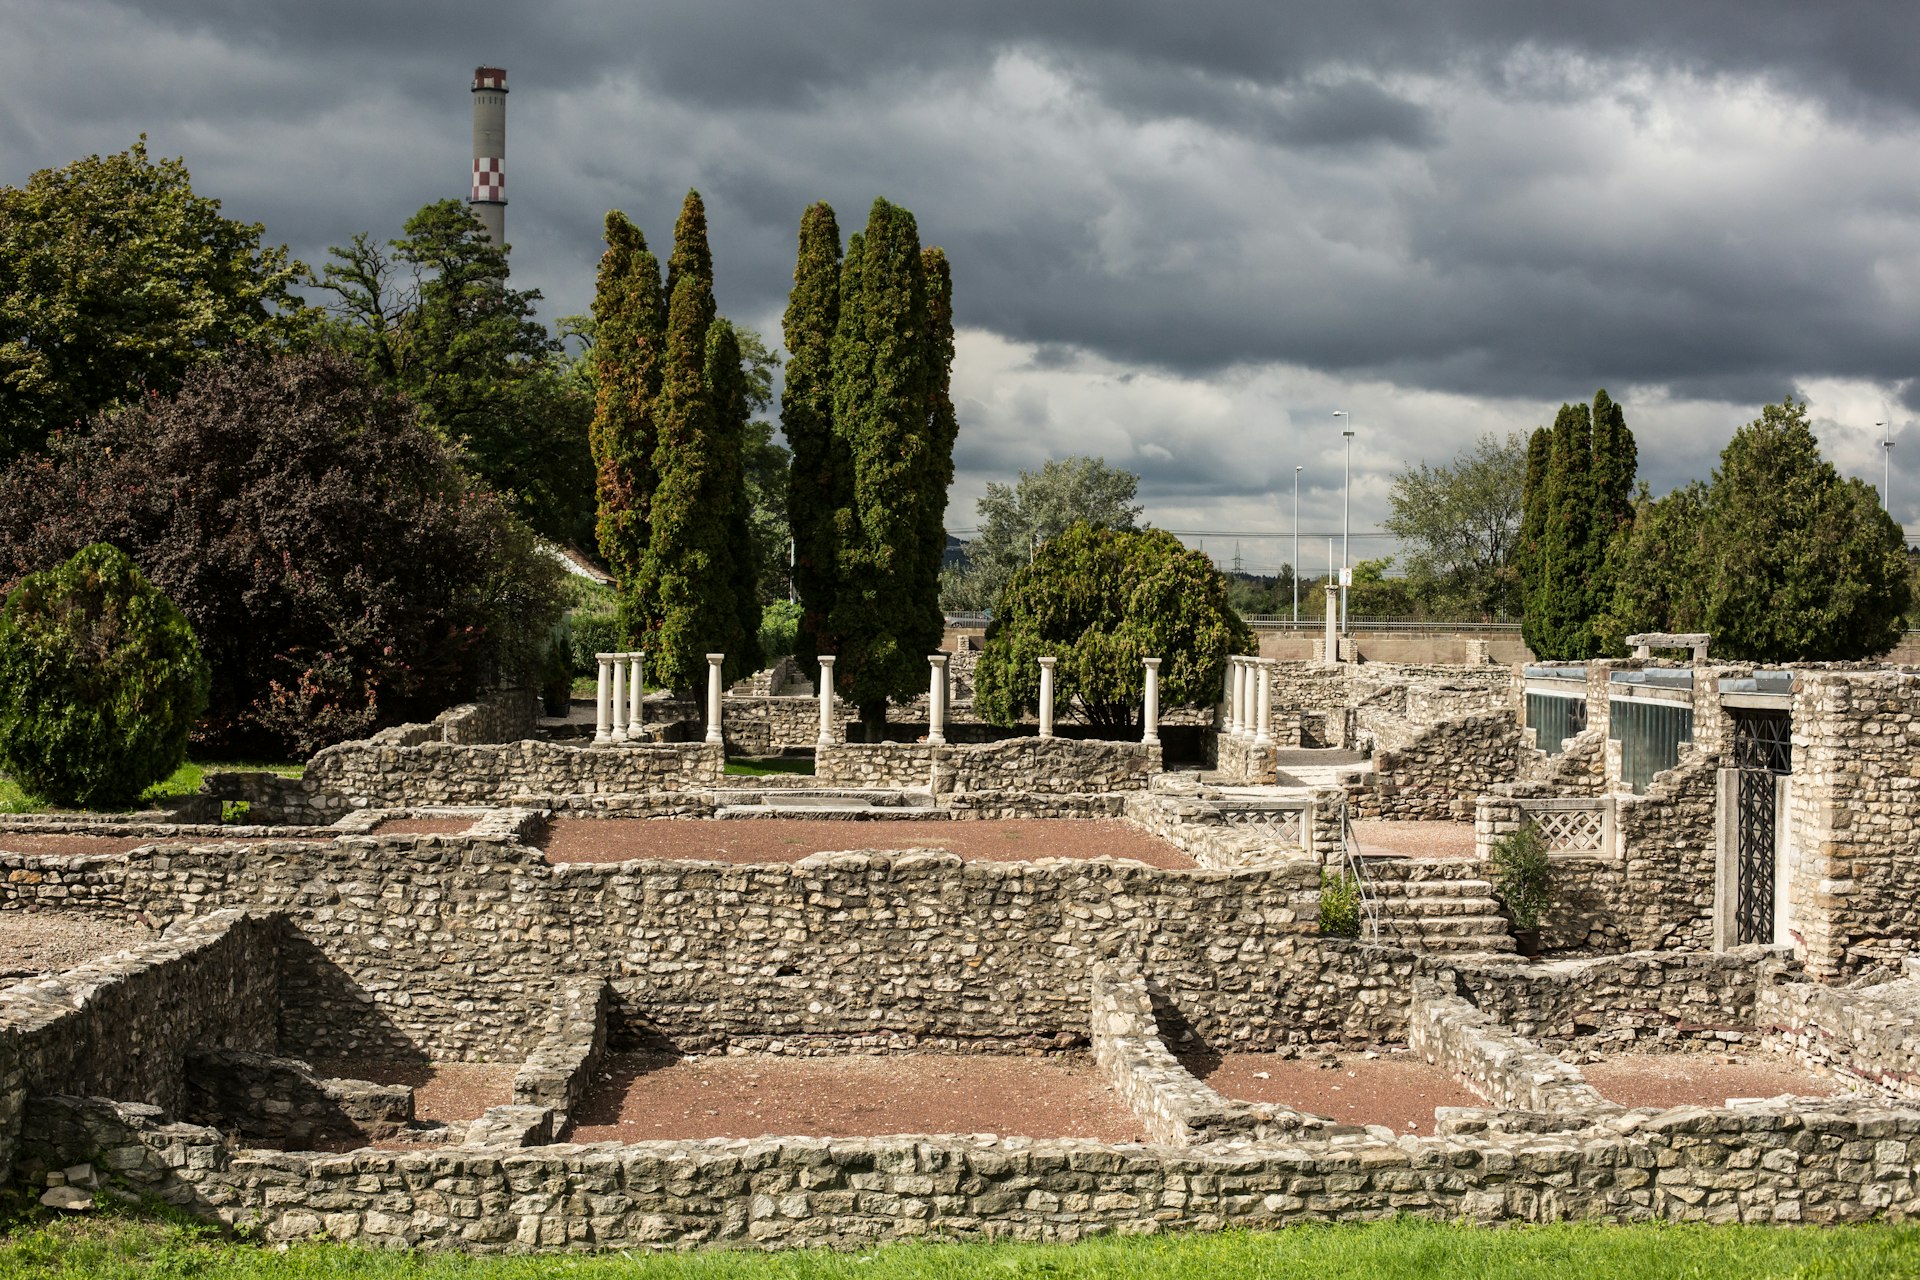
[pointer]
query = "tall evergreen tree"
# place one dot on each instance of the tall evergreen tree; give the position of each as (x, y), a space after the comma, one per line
(882, 389)
(629, 312)
(1533, 525)
(684, 595)
(1570, 553)
(1804, 564)
(727, 384)
(1616, 460)
(818, 479)
(943, 427)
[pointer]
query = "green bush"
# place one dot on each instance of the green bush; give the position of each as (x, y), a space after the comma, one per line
(101, 680)
(1339, 905)
(1522, 876)
(594, 632)
(779, 630)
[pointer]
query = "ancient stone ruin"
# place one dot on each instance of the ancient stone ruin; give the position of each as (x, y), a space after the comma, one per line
(501, 982)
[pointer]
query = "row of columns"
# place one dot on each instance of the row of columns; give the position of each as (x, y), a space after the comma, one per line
(620, 712)
(620, 715)
(1249, 698)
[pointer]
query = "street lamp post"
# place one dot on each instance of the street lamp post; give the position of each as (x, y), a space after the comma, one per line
(1886, 466)
(1296, 546)
(1346, 495)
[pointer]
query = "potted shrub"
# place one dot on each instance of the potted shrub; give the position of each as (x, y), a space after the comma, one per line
(1522, 876)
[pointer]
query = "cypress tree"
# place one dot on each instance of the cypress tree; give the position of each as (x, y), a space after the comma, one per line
(1568, 562)
(818, 472)
(882, 388)
(1533, 524)
(629, 312)
(1616, 459)
(943, 428)
(727, 383)
(686, 588)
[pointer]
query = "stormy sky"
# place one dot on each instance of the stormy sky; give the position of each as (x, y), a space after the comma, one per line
(1182, 235)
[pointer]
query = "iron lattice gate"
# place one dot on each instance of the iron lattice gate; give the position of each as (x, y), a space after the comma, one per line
(1762, 751)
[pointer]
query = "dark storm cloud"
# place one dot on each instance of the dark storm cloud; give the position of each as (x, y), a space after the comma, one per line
(1501, 201)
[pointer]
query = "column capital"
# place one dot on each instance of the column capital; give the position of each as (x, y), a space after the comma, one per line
(1048, 662)
(1153, 663)
(715, 659)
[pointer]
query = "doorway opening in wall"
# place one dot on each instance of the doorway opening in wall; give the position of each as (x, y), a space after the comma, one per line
(1762, 753)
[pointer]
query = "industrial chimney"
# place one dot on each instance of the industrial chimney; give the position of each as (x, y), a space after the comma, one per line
(489, 198)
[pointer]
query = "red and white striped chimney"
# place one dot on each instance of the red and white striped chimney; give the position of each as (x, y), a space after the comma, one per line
(489, 198)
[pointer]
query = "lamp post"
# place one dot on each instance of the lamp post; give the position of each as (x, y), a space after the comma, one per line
(1886, 466)
(1346, 495)
(1296, 546)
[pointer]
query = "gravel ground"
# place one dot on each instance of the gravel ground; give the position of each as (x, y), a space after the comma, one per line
(1699, 1079)
(422, 826)
(39, 942)
(1418, 839)
(762, 840)
(644, 1097)
(1396, 1090)
(447, 1092)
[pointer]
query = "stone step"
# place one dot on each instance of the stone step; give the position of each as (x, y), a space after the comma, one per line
(851, 812)
(1428, 908)
(1494, 942)
(1402, 891)
(828, 798)
(1385, 869)
(1445, 926)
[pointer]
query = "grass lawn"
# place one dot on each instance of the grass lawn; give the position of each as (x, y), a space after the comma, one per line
(184, 781)
(126, 1246)
(770, 765)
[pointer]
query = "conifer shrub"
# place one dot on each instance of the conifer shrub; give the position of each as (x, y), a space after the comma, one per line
(101, 681)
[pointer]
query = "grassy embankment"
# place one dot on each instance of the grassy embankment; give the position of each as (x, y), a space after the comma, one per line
(184, 781)
(124, 1244)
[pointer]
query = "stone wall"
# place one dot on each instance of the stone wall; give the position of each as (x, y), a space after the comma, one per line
(283, 1102)
(1439, 774)
(1173, 1107)
(1640, 996)
(1036, 766)
(767, 725)
(503, 716)
(1854, 819)
(1492, 1060)
(1768, 1162)
(557, 1074)
(121, 1026)
(1222, 833)
(386, 777)
(1870, 1035)
(451, 946)
(1237, 760)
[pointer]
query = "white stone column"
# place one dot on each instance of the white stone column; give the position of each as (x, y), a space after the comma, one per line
(1262, 698)
(1232, 726)
(1333, 625)
(619, 696)
(1150, 715)
(1046, 696)
(637, 692)
(713, 697)
(826, 700)
(1242, 722)
(937, 699)
(602, 708)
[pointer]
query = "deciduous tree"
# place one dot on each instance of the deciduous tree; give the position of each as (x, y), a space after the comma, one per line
(115, 279)
(1016, 519)
(1460, 524)
(1100, 601)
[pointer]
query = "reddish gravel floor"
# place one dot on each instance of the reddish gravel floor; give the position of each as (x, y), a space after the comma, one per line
(443, 1092)
(763, 840)
(648, 1097)
(1416, 839)
(1396, 1090)
(37, 942)
(1699, 1079)
(422, 826)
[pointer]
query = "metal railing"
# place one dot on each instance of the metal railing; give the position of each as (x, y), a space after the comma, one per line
(1353, 865)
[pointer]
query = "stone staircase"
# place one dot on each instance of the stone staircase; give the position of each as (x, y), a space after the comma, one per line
(1436, 904)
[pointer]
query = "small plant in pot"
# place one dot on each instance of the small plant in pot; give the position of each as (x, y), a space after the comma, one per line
(1522, 876)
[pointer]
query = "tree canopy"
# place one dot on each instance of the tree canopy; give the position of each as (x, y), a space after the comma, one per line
(1578, 495)
(433, 316)
(819, 482)
(1015, 519)
(116, 279)
(338, 568)
(1460, 525)
(1100, 600)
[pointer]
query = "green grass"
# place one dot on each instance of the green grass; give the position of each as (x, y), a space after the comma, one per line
(184, 781)
(122, 1245)
(770, 765)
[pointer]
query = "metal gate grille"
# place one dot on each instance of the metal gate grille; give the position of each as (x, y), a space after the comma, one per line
(1762, 751)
